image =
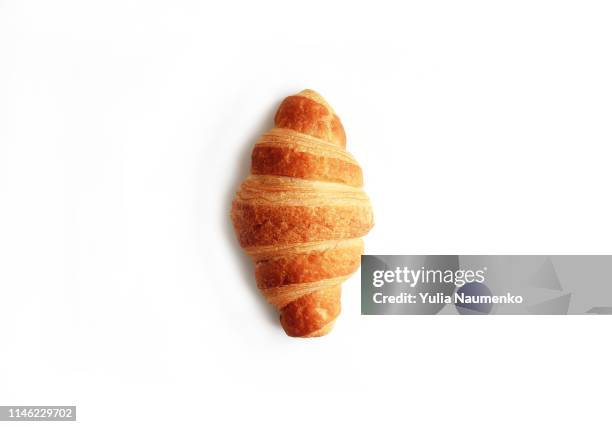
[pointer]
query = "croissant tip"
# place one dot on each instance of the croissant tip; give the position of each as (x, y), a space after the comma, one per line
(309, 92)
(325, 330)
(315, 96)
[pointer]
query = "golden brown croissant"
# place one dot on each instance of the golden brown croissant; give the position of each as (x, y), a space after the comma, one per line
(301, 213)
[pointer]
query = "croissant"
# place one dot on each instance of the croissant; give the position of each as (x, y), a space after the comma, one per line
(301, 214)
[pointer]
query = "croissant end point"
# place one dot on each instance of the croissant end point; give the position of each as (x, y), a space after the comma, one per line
(315, 96)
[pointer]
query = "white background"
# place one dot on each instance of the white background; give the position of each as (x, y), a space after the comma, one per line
(126, 126)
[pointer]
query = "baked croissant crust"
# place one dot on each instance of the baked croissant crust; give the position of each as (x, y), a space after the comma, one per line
(301, 214)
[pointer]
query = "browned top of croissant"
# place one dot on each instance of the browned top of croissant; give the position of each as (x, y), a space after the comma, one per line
(301, 213)
(312, 121)
(307, 112)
